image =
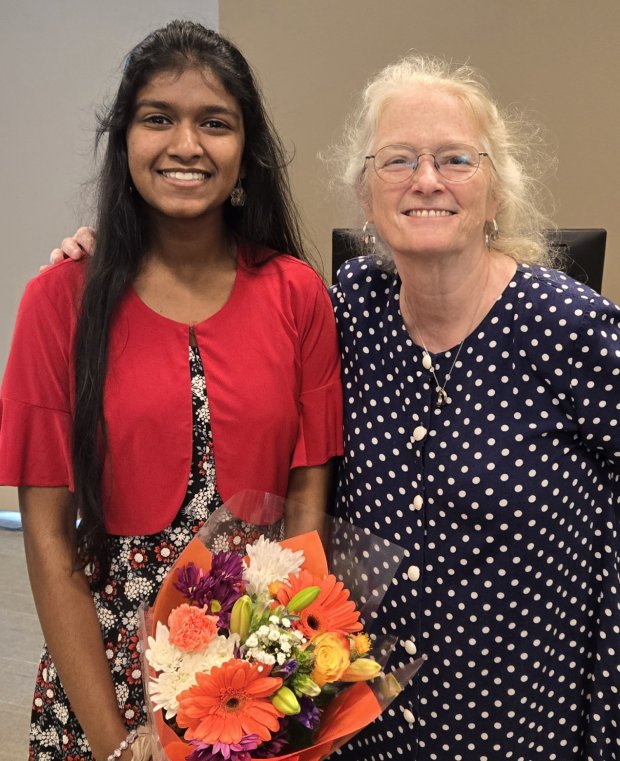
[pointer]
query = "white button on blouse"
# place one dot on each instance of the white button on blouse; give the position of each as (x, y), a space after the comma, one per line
(410, 647)
(408, 716)
(413, 572)
(419, 432)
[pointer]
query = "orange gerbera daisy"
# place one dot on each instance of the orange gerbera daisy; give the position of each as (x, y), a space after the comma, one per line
(229, 703)
(332, 611)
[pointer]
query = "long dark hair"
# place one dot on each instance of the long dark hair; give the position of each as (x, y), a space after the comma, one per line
(269, 218)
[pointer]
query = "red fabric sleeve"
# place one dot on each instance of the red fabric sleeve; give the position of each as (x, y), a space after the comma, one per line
(35, 401)
(320, 421)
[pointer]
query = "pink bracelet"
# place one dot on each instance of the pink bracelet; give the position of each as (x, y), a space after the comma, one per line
(131, 738)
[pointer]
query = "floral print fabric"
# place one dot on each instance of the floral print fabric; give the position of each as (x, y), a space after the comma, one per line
(139, 564)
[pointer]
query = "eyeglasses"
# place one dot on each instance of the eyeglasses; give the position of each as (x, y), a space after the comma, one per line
(455, 163)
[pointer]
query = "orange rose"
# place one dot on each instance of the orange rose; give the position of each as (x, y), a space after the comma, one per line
(331, 657)
(191, 628)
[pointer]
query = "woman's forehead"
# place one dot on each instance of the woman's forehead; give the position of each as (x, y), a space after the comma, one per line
(424, 113)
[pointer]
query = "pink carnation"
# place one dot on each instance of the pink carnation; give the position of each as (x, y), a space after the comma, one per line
(191, 628)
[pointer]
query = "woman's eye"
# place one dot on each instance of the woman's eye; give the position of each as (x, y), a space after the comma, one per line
(215, 124)
(158, 119)
(397, 160)
(457, 158)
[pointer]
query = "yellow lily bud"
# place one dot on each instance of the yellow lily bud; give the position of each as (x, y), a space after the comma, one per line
(305, 685)
(286, 702)
(361, 670)
(240, 617)
(303, 598)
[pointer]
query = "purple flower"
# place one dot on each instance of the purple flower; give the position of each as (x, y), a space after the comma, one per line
(276, 745)
(227, 565)
(309, 716)
(188, 577)
(286, 669)
(223, 584)
(223, 751)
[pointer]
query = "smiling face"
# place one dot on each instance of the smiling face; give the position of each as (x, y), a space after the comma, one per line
(185, 145)
(427, 214)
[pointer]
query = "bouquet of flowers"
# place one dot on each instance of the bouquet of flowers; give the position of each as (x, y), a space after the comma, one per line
(265, 656)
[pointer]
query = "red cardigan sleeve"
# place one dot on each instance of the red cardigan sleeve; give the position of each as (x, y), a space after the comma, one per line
(320, 400)
(36, 396)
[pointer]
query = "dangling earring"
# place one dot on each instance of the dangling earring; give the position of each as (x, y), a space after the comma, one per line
(238, 195)
(491, 233)
(369, 242)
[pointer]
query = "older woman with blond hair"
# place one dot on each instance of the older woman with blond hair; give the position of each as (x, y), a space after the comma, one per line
(481, 433)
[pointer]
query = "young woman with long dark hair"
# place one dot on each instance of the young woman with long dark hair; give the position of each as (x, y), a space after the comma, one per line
(104, 414)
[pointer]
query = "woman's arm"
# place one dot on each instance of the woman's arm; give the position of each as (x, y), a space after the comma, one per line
(306, 498)
(67, 614)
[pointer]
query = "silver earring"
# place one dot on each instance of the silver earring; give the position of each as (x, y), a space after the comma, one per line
(369, 242)
(238, 195)
(491, 233)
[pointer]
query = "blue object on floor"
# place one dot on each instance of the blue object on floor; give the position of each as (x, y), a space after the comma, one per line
(10, 520)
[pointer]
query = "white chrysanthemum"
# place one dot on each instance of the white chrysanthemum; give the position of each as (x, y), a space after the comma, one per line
(269, 562)
(178, 669)
(165, 689)
(162, 655)
(218, 651)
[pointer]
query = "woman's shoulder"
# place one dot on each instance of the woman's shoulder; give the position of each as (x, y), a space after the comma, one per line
(563, 293)
(363, 278)
(58, 286)
(279, 272)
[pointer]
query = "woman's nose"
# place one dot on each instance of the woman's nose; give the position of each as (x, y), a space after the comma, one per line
(185, 142)
(426, 174)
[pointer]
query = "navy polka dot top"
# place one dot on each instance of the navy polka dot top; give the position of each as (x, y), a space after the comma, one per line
(507, 503)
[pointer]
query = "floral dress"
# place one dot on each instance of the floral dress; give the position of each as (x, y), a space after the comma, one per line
(139, 564)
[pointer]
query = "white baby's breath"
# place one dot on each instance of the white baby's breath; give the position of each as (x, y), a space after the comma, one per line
(268, 563)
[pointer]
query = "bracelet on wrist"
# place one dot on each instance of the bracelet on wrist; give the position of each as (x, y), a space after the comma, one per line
(118, 752)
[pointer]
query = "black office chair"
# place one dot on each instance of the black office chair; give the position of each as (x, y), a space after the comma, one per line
(581, 251)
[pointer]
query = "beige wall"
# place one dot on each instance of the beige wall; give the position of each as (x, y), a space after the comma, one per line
(558, 58)
(59, 61)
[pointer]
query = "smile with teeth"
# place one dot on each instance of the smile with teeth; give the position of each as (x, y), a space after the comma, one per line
(188, 176)
(428, 213)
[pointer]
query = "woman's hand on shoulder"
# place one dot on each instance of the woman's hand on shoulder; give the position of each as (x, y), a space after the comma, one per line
(79, 245)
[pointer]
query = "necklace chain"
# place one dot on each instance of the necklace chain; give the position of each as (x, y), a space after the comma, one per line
(442, 398)
(440, 389)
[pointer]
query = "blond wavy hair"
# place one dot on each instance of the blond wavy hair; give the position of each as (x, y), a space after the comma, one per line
(514, 144)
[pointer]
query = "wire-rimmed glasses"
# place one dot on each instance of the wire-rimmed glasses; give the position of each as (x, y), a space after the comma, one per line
(455, 162)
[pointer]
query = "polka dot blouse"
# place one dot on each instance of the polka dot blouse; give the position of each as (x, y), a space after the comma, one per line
(507, 502)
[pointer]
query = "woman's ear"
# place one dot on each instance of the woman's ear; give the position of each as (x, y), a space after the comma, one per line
(491, 206)
(364, 198)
